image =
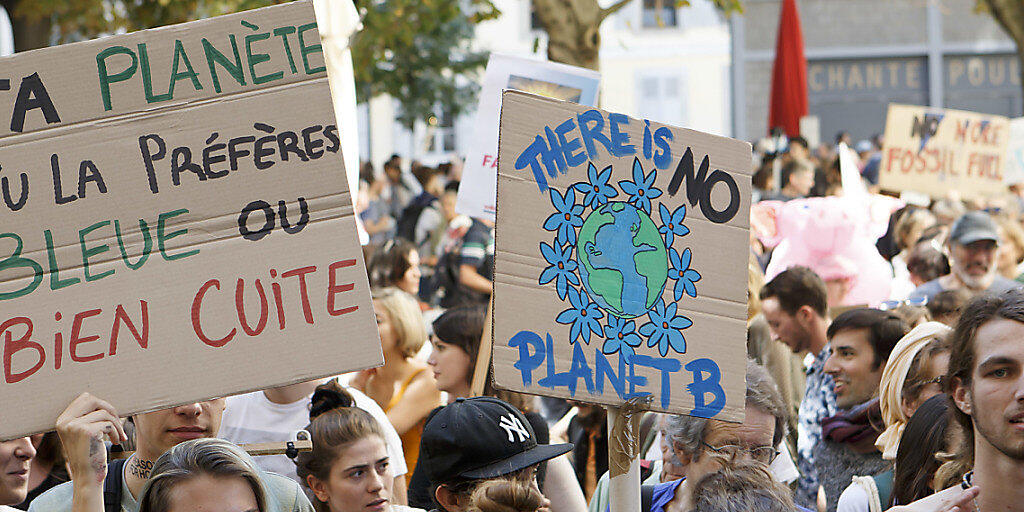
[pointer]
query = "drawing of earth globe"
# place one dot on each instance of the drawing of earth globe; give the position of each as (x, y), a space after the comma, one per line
(623, 259)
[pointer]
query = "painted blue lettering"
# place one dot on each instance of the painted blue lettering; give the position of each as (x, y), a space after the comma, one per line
(530, 158)
(553, 379)
(620, 139)
(634, 381)
(579, 370)
(663, 157)
(647, 139)
(527, 362)
(703, 385)
(666, 366)
(570, 147)
(592, 133)
(603, 369)
(554, 153)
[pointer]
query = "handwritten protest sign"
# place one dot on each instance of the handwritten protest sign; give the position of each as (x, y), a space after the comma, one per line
(1014, 172)
(578, 85)
(620, 259)
(176, 220)
(933, 151)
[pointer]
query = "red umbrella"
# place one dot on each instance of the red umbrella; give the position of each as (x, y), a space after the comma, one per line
(789, 73)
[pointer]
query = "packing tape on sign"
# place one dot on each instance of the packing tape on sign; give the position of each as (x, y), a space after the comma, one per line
(623, 440)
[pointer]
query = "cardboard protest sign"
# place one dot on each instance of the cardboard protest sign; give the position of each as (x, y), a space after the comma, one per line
(570, 83)
(1014, 172)
(620, 259)
(933, 151)
(176, 220)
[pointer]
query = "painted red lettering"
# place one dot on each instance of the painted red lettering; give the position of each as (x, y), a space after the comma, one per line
(240, 306)
(301, 272)
(121, 316)
(333, 288)
(11, 346)
(197, 305)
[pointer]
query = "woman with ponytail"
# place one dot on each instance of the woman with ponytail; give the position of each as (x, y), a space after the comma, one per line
(348, 468)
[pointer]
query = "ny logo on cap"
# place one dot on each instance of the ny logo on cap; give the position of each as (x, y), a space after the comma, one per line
(512, 424)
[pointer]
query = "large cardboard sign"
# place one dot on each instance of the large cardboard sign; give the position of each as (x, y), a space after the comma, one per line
(620, 259)
(551, 79)
(933, 151)
(176, 220)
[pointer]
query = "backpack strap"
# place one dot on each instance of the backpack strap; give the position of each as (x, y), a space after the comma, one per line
(646, 497)
(112, 486)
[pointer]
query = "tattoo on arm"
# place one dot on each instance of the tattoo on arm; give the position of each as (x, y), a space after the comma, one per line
(98, 458)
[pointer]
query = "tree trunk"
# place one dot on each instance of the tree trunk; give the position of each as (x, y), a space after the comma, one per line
(574, 29)
(28, 35)
(1010, 15)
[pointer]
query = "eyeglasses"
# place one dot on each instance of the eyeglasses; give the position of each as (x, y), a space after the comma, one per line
(763, 454)
(940, 380)
(893, 304)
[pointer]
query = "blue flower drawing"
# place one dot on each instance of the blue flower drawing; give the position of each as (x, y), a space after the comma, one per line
(672, 223)
(561, 269)
(664, 329)
(641, 190)
(683, 275)
(597, 191)
(620, 336)
(567, 218)
(583, 315)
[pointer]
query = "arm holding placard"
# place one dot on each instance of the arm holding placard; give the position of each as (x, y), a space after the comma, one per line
(82, 428)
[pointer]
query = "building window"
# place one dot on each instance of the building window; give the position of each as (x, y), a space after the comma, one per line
(441, 130)
(659, 14)
(662, 97)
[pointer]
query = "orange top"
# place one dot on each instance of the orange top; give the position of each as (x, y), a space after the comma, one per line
(411, 438)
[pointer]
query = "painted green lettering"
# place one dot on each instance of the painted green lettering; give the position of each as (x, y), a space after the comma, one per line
(88, 252)
(256, 58)
(56, 283)
(161, 237)
(106, 78)
(179, 57)
(306, 50)
(147, 77)
(15, 261)
(214, 56)
(147, 244)
(283, 32)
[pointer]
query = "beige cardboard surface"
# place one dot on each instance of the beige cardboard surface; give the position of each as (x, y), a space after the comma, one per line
(130, 278)
(691, 361)
(935, 151)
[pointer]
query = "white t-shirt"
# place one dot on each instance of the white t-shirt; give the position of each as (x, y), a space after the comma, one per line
(252, 418)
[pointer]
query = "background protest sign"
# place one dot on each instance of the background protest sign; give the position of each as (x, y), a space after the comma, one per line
(177, 224)
(933, 151)
(560, 81)
(1014, 171)
(620, 259)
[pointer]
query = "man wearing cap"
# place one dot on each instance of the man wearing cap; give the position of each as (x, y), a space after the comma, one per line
(971, 246)
(473, 440)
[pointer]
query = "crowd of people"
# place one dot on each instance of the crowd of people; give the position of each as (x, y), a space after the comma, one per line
(908, 396)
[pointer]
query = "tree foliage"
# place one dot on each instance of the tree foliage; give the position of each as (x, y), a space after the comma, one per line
(417, 52)
(573, 26)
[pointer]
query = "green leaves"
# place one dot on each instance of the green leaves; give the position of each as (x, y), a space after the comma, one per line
(417, 51)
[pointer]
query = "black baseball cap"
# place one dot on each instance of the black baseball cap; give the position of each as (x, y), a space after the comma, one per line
(972, 227)
(480, 437)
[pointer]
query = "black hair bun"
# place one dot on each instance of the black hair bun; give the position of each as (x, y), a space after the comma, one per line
(327, 397)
